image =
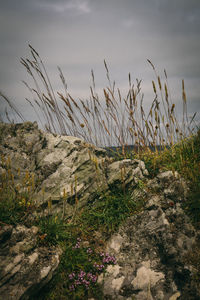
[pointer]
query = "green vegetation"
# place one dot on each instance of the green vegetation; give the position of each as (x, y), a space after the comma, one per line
(52, 230)
(83, 242)
(78, 272)
(15, 194)
(109, 211)
(183, 157)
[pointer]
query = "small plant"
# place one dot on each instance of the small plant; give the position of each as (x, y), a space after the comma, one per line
(79, 269)
(109, 211)
(83, 265)
(52, 230)
(15, 194)
(93, 265)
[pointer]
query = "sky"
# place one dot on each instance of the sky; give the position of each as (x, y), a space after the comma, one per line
(77, 35)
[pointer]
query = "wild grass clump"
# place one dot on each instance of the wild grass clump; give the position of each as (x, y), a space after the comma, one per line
(110, 120)
(52, 230)
(15, 194)
(183, 157)
(109, 211)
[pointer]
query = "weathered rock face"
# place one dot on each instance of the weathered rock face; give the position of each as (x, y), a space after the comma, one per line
(150, 247)
(24, 266)
(58, 163)
(127, 171)
(63, 165)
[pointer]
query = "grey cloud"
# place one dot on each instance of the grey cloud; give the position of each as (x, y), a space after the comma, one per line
(78, 34)
(76, 7)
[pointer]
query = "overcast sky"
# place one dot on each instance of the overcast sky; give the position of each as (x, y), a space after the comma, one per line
(78, 35)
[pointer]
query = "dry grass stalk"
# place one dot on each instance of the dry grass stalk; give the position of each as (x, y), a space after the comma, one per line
(113, 120)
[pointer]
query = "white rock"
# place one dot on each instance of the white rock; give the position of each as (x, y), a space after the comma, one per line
(146, 277)
(114, 270)
(116, 242)
(32, 258)
(44, 272)
(117, 283)
(175, 296)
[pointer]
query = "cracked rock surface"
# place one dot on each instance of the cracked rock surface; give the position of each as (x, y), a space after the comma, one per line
(24, 267)
(151, 247)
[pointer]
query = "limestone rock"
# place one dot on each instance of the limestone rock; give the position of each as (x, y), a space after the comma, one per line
(65, 168)
(127, 171)
(171, 184)
(150, 249)
(58, 163)
(24, 267)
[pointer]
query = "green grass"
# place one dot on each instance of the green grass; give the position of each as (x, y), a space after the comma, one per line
(52, 230)
(79, 240)
(77, 274)
(109, 211)
(15, 198)
(96, 222)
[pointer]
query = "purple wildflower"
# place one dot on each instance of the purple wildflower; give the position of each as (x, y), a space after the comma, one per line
(98, 267)
(81, 275)
(72, 288)
(71, 276)
(109, 259)
(92, 277)
(86, 283)
(89, 251)
(77, 282)
(77, 246)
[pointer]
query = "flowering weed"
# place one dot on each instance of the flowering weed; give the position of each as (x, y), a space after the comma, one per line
(84, 265)
(16, 192)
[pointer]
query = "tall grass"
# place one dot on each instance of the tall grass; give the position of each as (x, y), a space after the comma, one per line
(13, 109)
(110, 120)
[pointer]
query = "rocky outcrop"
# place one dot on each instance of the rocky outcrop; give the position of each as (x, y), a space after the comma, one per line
(66, 171)
(150, 247)
(58, 163)
(24, 266)
(64, 167)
